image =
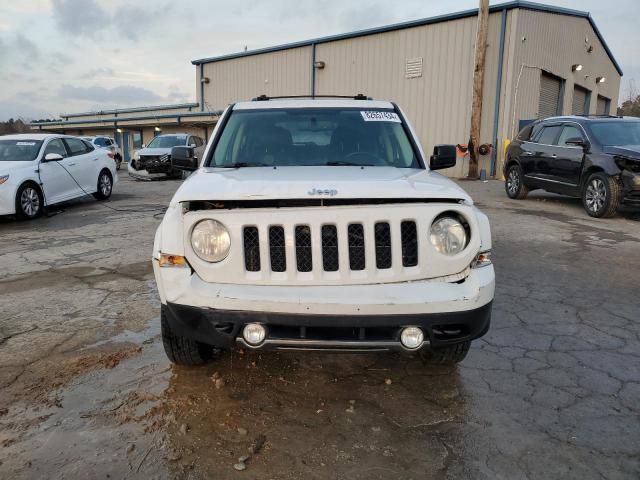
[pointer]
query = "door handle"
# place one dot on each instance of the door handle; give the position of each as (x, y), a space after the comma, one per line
(554, 156)
(95, 159)
(71, 164)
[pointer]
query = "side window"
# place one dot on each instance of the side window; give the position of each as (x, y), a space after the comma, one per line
(548, 135)
(192, 141)
(100, 142)
(199, 141)
(90, 148)
(55, 146)
(568, 132)
(525, 133)
(76, 146)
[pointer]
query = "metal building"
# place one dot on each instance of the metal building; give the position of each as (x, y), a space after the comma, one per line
(541, 61)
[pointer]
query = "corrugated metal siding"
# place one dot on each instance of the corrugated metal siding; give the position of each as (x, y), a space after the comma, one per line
(550, 89)
(438, 103)
(579, 104)
(279, 73)
(553, 43)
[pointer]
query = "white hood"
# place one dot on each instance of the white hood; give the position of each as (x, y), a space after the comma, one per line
(155, 151)
(8, 167)
(265, 183)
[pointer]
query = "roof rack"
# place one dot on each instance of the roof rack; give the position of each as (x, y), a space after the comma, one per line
(594, 115)
(264, 98)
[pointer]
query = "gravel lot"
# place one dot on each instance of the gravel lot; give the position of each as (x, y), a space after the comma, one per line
(553, 391)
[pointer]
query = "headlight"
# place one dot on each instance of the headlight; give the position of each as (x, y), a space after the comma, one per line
(211, 241)
(136, 156)
(448, 235)
(3, 179)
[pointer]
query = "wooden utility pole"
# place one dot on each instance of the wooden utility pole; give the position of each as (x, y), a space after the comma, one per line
(478, 81)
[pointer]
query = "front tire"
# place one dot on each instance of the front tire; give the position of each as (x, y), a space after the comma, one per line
(29, 201)
(514, 183)
(601, 195)
(182, 350)
(449, 355)
(105, 185)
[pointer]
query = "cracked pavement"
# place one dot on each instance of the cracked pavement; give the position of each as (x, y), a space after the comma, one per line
(552, 391)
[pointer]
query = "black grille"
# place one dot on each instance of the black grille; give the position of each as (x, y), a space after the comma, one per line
(303, 248)
(277, 249)
(330, 260)
(251, 249)
(409, 237)
(383, 245)
(355, 232)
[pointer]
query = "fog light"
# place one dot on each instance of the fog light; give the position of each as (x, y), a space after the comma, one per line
(254, 334)
(411, 338)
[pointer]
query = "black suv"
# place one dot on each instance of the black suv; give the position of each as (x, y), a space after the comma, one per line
(596, 158)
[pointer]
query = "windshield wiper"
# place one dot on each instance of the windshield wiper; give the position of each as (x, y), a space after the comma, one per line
(244, 164)
(348, 164)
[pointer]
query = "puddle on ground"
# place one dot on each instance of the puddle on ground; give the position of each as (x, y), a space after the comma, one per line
(283, 414)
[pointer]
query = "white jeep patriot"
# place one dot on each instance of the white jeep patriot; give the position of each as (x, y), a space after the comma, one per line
(319, 224)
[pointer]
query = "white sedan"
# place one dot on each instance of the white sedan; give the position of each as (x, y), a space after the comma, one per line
(38, 170)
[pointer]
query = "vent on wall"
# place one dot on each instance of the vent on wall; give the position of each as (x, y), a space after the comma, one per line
(413, 68)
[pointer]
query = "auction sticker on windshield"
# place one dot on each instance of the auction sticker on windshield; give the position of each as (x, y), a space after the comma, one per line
(372, 116)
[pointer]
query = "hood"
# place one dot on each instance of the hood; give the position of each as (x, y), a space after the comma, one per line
(264, 183)
(155, 151)
(631, 151)
(8, 167)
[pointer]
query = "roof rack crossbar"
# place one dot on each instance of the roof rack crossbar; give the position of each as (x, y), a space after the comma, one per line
(264, 98)
(596, 115)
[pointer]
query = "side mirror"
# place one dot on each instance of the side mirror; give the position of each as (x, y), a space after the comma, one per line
(577, 142)
(193, 145)
(53, 157)
(444, 156)
(183, 158)
(144, 145)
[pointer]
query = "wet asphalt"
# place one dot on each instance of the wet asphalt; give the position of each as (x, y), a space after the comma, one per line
(552, 391)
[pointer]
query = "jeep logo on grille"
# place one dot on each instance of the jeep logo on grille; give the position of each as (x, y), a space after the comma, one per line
(324, 192)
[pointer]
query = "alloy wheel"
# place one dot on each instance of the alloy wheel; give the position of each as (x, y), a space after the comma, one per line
(105, 185)
(596, 195)
(513, 181)
(30, 201)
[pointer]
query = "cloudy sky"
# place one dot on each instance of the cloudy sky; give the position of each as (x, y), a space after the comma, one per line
(61, 56)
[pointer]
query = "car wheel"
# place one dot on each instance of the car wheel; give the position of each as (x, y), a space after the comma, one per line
(514, 184)
(29, 201)
(449, 355)
(105, 185)
(182, 350)
(601, 195)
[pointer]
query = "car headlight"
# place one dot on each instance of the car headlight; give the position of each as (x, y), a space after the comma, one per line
(448, 234)
(211, 241)
(136, 156)
(3, 179)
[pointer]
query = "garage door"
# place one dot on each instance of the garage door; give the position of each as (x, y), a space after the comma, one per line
(580, 104)
(603, 105)
(550, 88)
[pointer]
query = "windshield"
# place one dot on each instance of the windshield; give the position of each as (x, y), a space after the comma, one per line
(19, 150)
(314, 137)
(616, 133)
(168, 141)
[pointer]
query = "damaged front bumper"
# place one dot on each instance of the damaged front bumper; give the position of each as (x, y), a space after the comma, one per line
(630, 188)
(352, 317)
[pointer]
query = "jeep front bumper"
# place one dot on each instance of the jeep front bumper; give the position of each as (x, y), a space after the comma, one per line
(351, 317)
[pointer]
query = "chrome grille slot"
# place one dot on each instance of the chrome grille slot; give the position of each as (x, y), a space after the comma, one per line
(383, 245)
(251, 249)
